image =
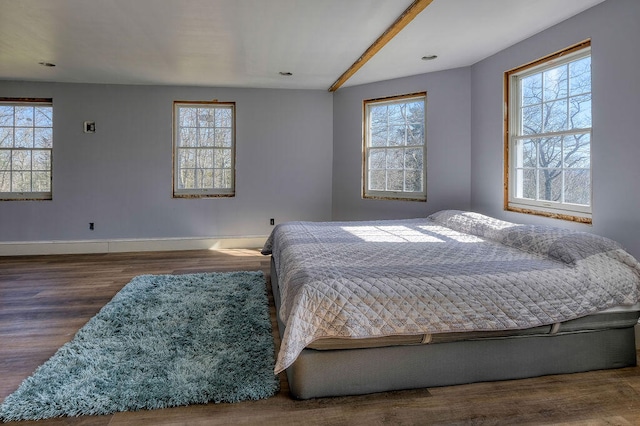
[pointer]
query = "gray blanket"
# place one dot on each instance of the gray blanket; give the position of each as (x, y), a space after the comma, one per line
(452, 272)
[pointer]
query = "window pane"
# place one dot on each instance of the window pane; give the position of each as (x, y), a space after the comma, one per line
(206, 178)
(531, 120)
(41, 160)
(395, 180)
(531, 89)
(377, 180)
(413, 159)
(550, 152)
(580, 112)
(413, 181)
(222, 159)
(187, 158)
(395, 158)
(207, 136)
(550, 185)
(228, 177)
(555, 83)
(396, 114)
(379, 136)
(223, 117)
(577, 187)
(5, 160)
(24, 116)
(378, 114)
(527, 184)
(205, 158)
(227, 155)
(415, 112)
(206, 117)
(41, 181)
(527, 153)
(197, 179)
(188, 137)
(580, 76)
(415, 134)
(555, 116)
(5, 181)
(21, 160)
(21, 182)
(222, 178)
(43, 137)
(397, 135)
(6, 115)
(188, 117)
(187, 179)
(24, 137)
(6, 137)
(377, 159)
(43, 116)
(223, 137)
(577, 151)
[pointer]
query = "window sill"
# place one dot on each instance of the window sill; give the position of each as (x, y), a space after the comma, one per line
(582, 218)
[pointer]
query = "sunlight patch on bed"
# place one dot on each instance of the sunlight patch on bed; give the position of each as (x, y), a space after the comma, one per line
(450, 234)
(391, 234)
(405, 234)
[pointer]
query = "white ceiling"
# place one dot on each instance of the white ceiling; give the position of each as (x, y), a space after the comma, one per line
(246, 43)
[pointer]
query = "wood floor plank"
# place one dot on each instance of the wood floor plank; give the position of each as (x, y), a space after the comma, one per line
(45, 300)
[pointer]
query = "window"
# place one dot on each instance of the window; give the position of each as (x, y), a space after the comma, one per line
(204, 149)
(26, 143)
(548, 136)
(394, 148)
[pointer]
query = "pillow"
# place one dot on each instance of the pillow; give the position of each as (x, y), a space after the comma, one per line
(563, 245)
(574, 247)
(470, 223)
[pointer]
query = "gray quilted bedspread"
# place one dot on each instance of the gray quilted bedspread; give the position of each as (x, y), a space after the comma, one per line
(452, 272)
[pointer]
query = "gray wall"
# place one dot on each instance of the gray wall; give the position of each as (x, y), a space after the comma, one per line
(121, 176)
(448, 146)
(614, 29)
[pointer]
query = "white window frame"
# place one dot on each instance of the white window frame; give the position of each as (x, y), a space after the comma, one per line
(514, 133)
(206, 189)
(367, 138)
(41, 136)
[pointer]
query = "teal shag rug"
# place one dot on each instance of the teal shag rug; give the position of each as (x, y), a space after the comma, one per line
(162, 341)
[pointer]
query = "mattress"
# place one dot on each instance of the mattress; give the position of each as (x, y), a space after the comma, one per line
(599, 341)
(614, 317)
(617, 317)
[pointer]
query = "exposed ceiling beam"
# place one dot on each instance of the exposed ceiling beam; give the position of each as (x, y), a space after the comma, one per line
(403, 20)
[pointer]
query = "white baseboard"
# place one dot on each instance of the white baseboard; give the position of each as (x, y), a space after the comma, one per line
(132, 245)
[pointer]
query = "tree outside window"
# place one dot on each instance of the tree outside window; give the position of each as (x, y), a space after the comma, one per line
(394, 148)
(549, 136)
(204, 149)
(26, 146)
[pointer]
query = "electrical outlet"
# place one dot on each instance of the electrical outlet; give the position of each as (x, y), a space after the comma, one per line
(89, 126)
(272, 221)
(91, 226)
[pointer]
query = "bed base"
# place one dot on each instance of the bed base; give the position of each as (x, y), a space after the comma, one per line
(322, 373)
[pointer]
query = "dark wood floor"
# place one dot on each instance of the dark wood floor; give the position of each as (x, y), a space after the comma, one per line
(44, 300)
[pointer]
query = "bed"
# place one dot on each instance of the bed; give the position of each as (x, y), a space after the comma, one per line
(457, 297)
